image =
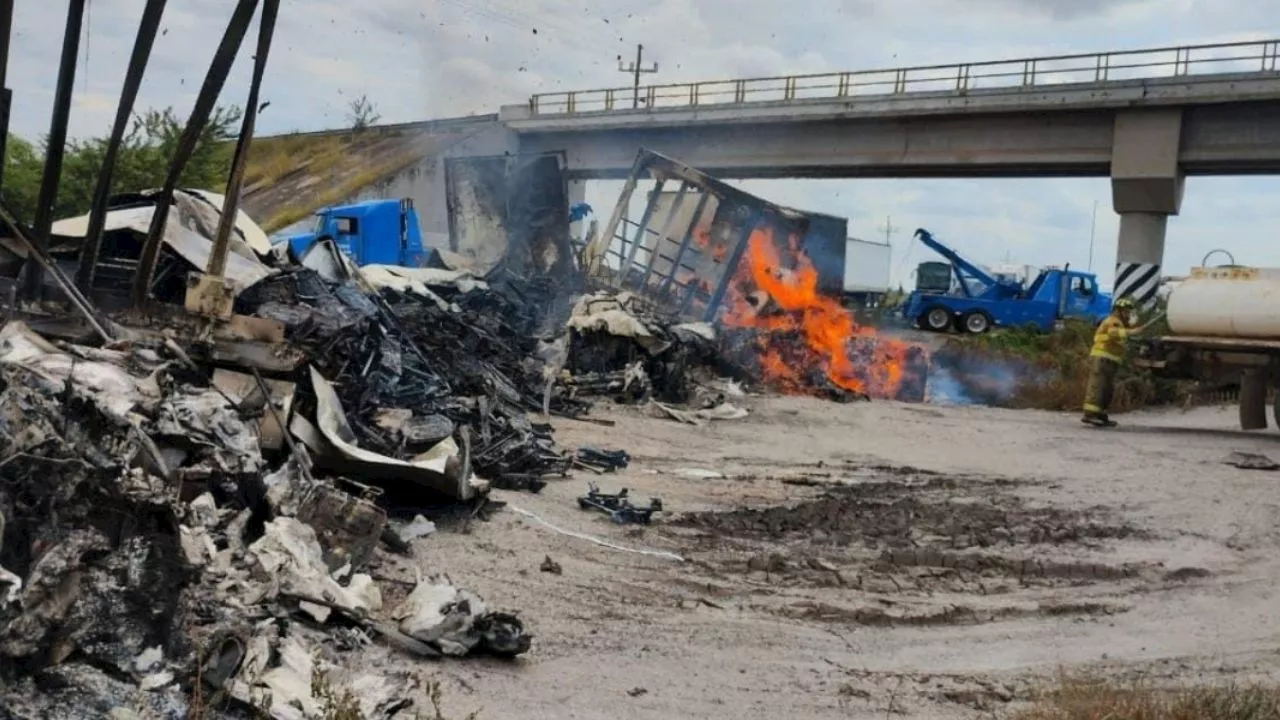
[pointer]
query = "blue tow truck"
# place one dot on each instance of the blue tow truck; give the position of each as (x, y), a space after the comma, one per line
(373, 232)
(962, 296)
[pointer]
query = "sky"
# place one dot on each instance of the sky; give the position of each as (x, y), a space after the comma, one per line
(421, 59)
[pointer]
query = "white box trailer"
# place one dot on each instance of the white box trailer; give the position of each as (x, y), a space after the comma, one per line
(866, 270)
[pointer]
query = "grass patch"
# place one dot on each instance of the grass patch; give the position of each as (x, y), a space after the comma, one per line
(272, 158)
(344, 190)
(1100, 699)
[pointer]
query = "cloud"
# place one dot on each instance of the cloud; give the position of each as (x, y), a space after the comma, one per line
(431, 58)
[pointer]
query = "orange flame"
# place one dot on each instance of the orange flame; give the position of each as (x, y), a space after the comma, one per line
(850, 356)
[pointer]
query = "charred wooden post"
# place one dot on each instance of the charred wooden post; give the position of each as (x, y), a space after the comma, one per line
(147, 30)
(222, 238)
(33, 272)
(6, 95)
(219, 69)
(209, 293)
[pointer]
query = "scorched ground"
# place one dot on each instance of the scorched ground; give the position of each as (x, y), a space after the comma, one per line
(837, 567)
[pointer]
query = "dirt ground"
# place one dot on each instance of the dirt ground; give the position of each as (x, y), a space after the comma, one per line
(874, 560)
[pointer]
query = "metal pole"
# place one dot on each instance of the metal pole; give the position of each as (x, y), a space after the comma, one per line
(223, 59)
(142, 45)
(6, 96)
(1093, 231)
(33, 273)
(635, 98)
(222, 238)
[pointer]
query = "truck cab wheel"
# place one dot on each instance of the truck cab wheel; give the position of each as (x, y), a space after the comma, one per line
(976, 322)
(936, 318)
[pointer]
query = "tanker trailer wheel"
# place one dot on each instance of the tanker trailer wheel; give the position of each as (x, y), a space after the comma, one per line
(1253, 401)
(976, 322)
(936, 318)
(1275, 406)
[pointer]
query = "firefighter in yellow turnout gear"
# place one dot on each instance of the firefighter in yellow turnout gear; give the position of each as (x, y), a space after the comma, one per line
(1109, 346)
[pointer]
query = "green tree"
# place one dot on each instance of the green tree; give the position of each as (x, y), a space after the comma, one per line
(143, 161)
(23, 164)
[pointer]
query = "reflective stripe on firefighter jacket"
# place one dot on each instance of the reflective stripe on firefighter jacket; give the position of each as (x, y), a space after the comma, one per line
(1108, 341)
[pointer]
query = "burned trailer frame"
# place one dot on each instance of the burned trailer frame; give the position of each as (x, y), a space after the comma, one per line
(684, 251)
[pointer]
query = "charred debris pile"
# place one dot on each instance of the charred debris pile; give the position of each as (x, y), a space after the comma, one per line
(181, 538)
(194, 503)
(156, 553)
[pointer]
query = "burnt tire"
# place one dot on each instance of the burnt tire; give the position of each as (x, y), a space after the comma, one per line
(976, 322)
(936, 318)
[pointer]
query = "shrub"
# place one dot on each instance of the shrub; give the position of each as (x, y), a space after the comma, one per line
(1100, 699)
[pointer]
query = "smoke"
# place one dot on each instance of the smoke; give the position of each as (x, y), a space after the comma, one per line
(963, 376)
(944, 389)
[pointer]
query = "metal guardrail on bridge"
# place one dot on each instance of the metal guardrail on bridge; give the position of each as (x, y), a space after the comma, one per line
(1170, 62)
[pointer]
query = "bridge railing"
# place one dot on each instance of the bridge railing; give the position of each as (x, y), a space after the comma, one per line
(1240, 57)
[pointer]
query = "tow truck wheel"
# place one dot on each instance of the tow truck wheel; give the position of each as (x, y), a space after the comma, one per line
(976, 322)
(936, 318)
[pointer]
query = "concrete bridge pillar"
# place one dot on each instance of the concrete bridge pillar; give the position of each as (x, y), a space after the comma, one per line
(1146, 188)
(577, 192)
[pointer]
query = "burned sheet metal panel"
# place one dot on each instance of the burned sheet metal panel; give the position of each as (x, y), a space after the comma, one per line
(444, 468)
(824, 244)
(511, 211)
(538, 216)
(688, 243)
(182, 236)
(477, 218)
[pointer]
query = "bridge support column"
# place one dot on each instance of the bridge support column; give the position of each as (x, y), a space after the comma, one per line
(1146, 188)
(577, 192)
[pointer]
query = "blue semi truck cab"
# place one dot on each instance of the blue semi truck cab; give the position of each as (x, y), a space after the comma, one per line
(963, 296)
(373, 232)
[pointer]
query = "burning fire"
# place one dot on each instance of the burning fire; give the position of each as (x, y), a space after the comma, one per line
(702, 237)
(799, 329)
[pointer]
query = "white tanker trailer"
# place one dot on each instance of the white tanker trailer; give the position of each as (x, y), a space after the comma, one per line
(1225, 324)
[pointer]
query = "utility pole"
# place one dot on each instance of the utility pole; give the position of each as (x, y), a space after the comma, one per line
(1093, 231)
(635, 69)
(888, 229)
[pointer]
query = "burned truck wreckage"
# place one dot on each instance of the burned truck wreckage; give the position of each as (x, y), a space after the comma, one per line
(208, 443)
